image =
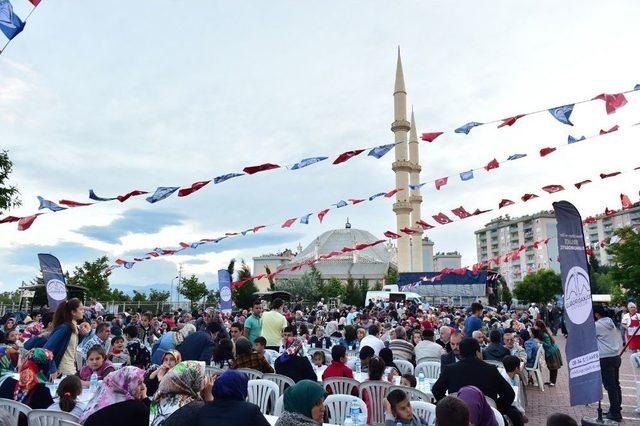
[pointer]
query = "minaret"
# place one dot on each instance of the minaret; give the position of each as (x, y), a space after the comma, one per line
(415, 198)
(401, 167)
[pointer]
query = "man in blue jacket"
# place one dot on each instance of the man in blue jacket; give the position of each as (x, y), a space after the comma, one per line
(474, 322)
(199, 346)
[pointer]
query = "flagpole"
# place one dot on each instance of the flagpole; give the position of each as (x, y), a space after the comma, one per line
(24, 23)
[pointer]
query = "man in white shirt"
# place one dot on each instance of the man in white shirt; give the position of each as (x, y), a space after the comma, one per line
(373, 339)
(630, 322)
(428, 347)
(534, 311)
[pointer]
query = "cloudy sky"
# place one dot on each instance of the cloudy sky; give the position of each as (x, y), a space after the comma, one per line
(124, 95)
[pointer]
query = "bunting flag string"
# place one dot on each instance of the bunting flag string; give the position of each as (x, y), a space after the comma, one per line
(562, 114)
(10, 24)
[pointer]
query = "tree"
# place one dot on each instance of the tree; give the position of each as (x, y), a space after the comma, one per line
(231, 268)
(158, 296)
(316, 276)
(8, 297)
(243, 295)
(303, 287)
(540, 286)
(272, 283)
(90, 275)
(334, 288)
(116, 295)
(138, 296)
(364, 288)
(391, 277)
(193, 289)
(505, 292)
(351, 292)
(8, 194)
(626, 255)
(213, 298)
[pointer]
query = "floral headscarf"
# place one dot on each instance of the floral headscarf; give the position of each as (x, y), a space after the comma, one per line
(176, 355)
(292, 347)
(7, 358)
(32, 372)
(119, 386)
(180, 335)
(180, 386)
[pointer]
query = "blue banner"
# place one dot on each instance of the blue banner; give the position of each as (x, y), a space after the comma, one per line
(224, 285)
(583, 359)
(53, 278)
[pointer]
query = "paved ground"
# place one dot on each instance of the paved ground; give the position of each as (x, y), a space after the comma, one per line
(556, 400)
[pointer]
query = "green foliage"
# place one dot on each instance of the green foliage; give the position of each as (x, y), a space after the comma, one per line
(626, 255)
(317, 280)
(333, 289)
(617, 295)
(158, 296)
(351, 292)
(213, 298)
(540, 287)
(243, 296)
(138, 296)
(272, 283)
(193, 289)
(505, 295)
(116, 295)
(303, 287)
(8, 297)
(8, 194)
(391, 277)
(377, 287)
(90, 275)
(363, 286)
(231, 268)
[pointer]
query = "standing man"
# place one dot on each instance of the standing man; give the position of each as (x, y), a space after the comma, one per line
(631, 322)
(474, 322)
(609, 346)
(253, 324)
(273, 323)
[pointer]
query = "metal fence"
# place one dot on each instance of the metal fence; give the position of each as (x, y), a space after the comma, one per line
(116, 307)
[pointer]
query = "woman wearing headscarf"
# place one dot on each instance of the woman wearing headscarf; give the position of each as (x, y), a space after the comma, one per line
(245, 358)
(156, 372)
(292, 365)
(229, 406)
(30, 388)
(180, 395)
(170, 340)
(121, 400)
(387, 356)
(480, 412)
(303, 405)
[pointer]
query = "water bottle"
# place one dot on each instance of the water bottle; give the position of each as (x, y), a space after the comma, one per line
(358, 366)
(361, 421)
(93, 382)
(421, 380)
(355, 410)
(348, 421)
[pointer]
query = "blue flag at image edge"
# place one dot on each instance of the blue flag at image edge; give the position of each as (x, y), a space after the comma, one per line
(583, 358)
(161, 193)
(10, 24)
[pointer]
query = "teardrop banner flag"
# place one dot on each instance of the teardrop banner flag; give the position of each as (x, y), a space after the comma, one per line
(53, 278)
(224, 286)
(583, 359)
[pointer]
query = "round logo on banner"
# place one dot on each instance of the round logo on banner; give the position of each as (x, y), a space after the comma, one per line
(225, 294)
(56, 289)
(577, 295)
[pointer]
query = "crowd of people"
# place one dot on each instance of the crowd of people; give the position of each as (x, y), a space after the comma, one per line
(151, 368)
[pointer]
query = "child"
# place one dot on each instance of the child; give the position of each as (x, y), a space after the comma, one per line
(146, 333)
(156, 373)
(397, 409)
(338, 366)
(139, 355)
(259, 346)
(117, 353)
(318, 359)
(512, 366)
(68, 391)
(408, 380)
(97, 362)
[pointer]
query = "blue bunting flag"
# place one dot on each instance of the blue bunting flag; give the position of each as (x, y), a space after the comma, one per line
(46, 204)
(637, 87)
(467, 127)
(414, 187)
(571, 139)
(379, 194)
(466, 175)
(307, 162)
(562, 113)
(93, 196)
(128, 265)
(161, 193)
(516, 156)
(222, 178)
(341, 203)
(381, 150)
(305, 219)
(10, 23)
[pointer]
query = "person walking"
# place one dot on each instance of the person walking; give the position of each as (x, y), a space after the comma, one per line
(631, 322)
(609, 346)
(273, 323)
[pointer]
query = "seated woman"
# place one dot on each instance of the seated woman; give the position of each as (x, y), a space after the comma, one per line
(121, 400)
(30, 388)
(376, 371)
(292, 365)
(156, 373)
(170, 340)
(350, 341)
(319, 340)
(480, 412)
(224, 353)
(229, 406)
(98, 363)
(245, 358)
(303, 404)
(180, 395)
(68, 391)
(387, 357)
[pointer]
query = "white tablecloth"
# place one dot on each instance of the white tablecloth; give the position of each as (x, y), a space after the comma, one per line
(84, 397)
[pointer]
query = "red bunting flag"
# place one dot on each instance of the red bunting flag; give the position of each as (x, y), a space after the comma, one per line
(392, 192)
(626, 202)
(602, 243)
(553, 188)
(35, 3)
(588, 250)
(608, 212)
(590, 219)
(25, 222)
(9, 219)
(527, 197)
(251, 170)
(120, 261)
(510, 121)
(153, 254)
(408, 231)
(608, 175)
(257, 228)
(430, 137)
(168, 252)
(613, 129)
(184, 245)
(505, 203)
(70, 203)
(346, 249)
(461, 212)
(515, 255)
(580, 184)
(347, 156)
(356, 200)
(287, 223)
(193, 188)
(546, 151)
(322, 214)
(493, 164)
(496, 260)
(392, 235)
(231, 234)
(424, 225)
(442, 218)
(125, 197)
(612, 102)
(441, 182)
(478, 211)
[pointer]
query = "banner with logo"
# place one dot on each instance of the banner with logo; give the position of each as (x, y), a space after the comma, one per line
(583, 360)
(224, 285)
(53, 277)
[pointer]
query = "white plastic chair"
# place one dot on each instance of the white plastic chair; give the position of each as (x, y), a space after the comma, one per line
(494, 362)
(424, 410)
(281, 380)
(69, 423)
(413, 394)
(428, 359)
(80, 359)
(430, 369)
(271, 355)
(340, 385)
(635, 365)
(498, 416)
(264, 394)
(405, 367)
(212, 371)
(279, 408)
(14, 407)
(537, 368)
(251, 373)
(339, 407)
(49, 417)
(377, 391)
